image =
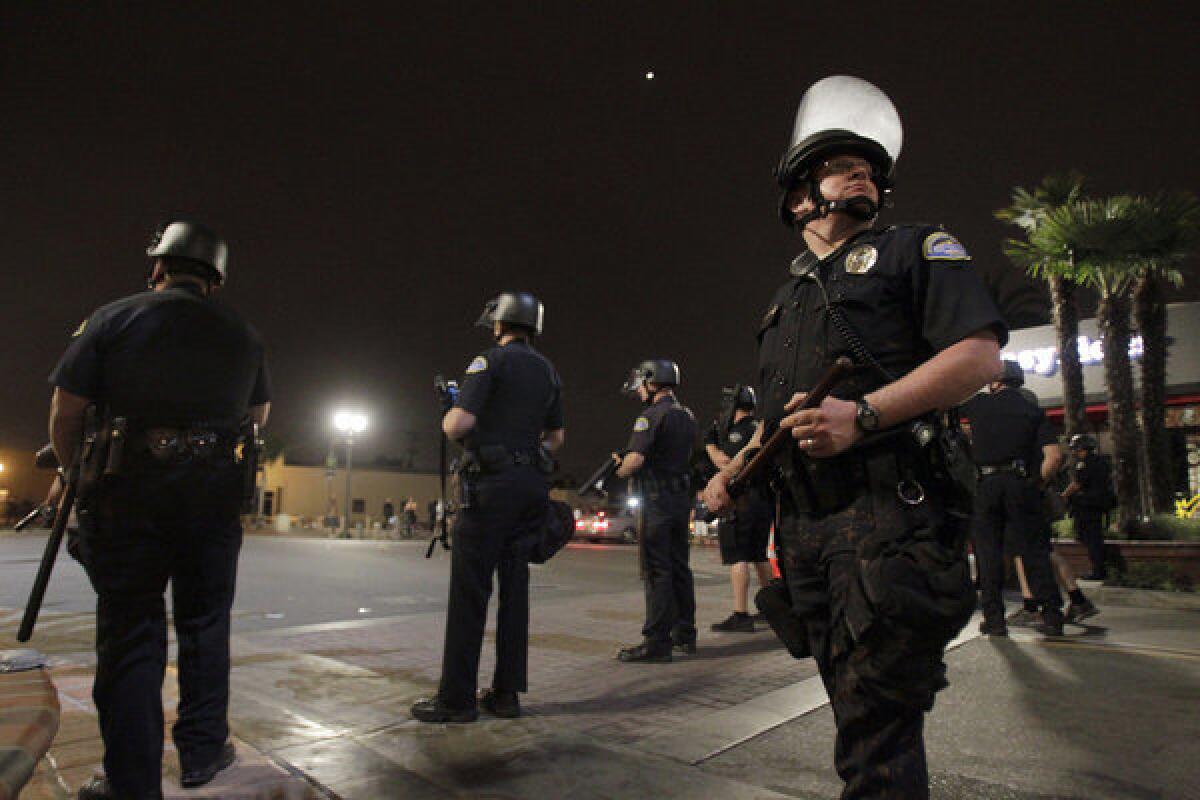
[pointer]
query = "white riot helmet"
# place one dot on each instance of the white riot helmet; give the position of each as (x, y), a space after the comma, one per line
(840, 114)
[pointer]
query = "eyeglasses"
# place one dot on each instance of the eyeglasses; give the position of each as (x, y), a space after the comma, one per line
(847, 166)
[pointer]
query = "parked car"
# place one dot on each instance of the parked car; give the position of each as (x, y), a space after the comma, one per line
(606, 523)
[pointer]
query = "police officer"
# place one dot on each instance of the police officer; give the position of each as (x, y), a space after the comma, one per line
(658, 454)
(185, 372)
(1017, 453)
(744, 533)
(860, 487)
(1090, 496)
(508, 412)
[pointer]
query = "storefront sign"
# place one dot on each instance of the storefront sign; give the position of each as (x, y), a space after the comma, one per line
(1044, 360)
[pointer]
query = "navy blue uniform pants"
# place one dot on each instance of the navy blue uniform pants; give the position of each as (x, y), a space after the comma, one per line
(670, 591)
(1089, 529)
(494, 535)
(1008, 511)
(179, 526)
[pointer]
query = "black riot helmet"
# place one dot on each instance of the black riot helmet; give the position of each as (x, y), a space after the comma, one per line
(515, 308)
(840, 114)
(652, 370)
(1083, 441)
(193, 242)
(1012, 374)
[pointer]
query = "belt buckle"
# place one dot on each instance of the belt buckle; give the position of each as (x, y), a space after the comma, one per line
(163, 444)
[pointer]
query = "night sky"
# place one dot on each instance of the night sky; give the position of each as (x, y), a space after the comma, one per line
(379, 175)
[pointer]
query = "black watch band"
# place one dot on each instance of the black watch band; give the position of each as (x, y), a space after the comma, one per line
(867, 418)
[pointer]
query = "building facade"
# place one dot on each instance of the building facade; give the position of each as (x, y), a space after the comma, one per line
(1036, 351)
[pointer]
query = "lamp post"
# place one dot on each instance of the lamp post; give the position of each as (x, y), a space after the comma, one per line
(349, 423)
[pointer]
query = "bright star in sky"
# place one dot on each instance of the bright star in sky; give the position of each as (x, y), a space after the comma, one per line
(650, 75)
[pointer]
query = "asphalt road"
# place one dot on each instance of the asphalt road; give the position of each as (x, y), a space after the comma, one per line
(291, 581)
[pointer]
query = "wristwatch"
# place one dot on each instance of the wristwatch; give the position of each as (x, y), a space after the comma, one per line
(866, 418)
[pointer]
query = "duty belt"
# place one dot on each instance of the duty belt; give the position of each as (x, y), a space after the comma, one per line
(176, 446)
(665, 484)
(1016, 467)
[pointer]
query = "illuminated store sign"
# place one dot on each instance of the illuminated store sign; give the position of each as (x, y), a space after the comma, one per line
(1044, 360)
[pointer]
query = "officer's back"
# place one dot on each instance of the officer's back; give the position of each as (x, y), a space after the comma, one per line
(166, 357)
(1005, 427)
(511, 388)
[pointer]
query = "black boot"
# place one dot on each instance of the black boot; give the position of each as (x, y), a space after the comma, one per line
(191, 778)
(993, 627)
(98, 789)
(1051, 624)
(500, 704)
(648, 652)
(432, 710)
(737, 622)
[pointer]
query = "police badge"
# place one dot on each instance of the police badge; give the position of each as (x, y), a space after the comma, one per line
(860, 260)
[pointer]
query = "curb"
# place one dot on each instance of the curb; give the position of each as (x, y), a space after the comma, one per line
(1141, 598)
(29, 718)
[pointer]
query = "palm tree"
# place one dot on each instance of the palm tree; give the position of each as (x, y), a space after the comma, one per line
(1097, 238)
(1167, 231)
(1027, 211)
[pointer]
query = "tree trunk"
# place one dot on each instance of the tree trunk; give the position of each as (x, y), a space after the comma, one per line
(1150, 312)
(1113, 316)
(1065, 312)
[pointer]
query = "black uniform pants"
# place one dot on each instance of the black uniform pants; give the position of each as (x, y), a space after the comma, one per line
(1008, 510)
(880, 747)
(670, 591)
(1089, 529)
(179, 525)
(494, 535)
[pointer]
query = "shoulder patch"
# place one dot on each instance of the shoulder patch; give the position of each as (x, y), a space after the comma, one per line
(942, 246)
(641, 424)
(79, 331)
(478, 365)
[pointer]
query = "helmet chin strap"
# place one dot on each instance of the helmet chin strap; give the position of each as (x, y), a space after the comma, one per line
(859, 207)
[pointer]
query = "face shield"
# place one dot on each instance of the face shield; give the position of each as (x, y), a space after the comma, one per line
(843, 109)
(635, 381)
(488, 315)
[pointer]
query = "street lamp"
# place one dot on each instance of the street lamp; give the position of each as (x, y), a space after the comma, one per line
(349, 423)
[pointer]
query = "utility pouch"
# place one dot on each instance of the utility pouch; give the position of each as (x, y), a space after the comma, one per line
(465, 471)
(93, 457)
(248, 455)
(118, 434)
(775, 603)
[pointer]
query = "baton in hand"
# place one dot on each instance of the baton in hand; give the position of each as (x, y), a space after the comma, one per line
(836, 373)
(38, 592)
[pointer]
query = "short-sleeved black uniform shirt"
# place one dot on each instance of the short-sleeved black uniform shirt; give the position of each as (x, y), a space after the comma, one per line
(1006, 427)
(1094, 477)
(515, 394)
(731, 441)
(172, 357)
(909, 292)
(664, 434)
